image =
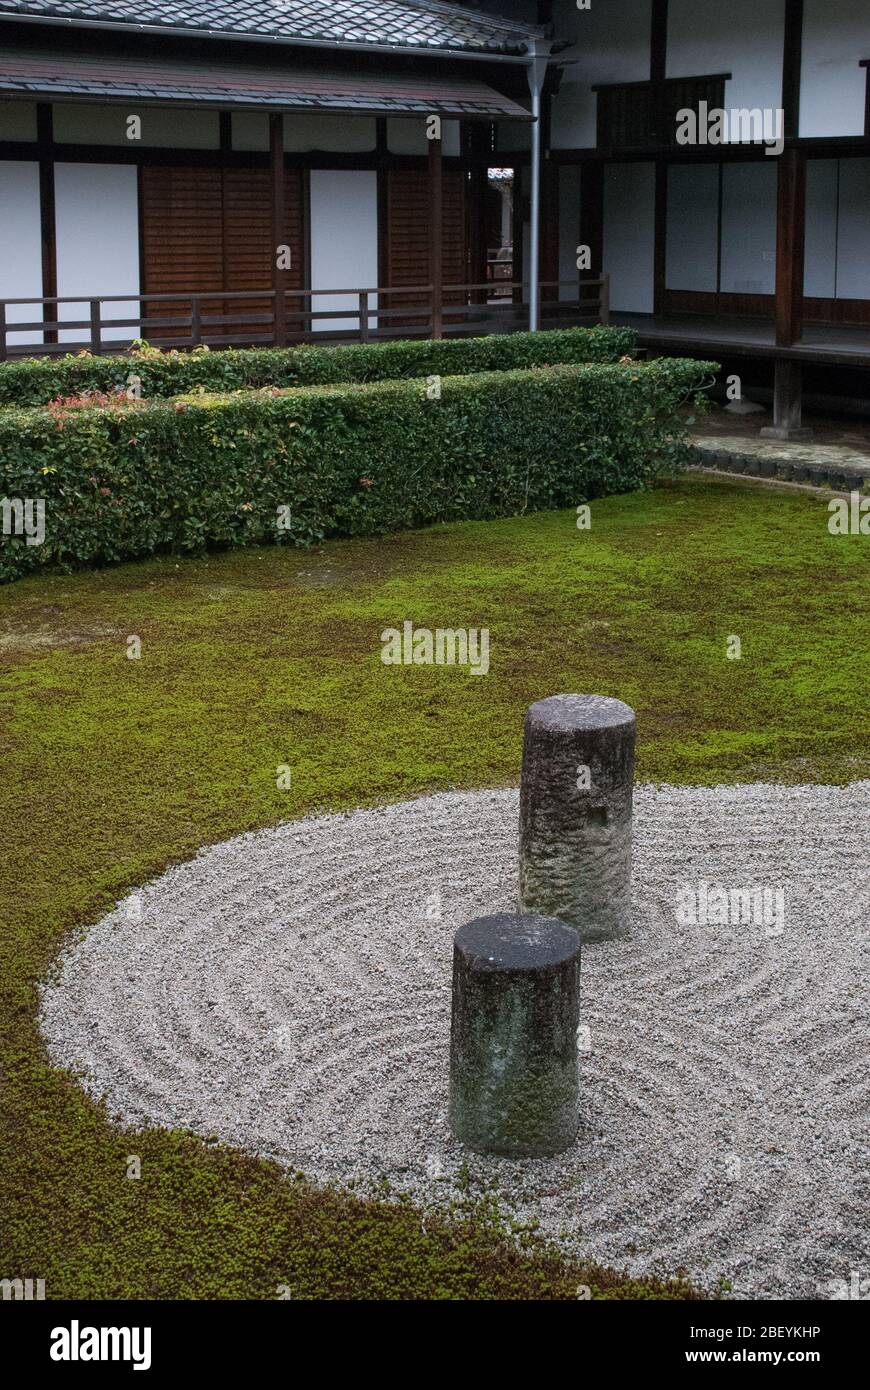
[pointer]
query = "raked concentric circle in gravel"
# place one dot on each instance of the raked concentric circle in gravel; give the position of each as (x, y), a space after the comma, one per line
(289, 992)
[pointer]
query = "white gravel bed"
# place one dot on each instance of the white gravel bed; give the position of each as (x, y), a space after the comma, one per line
(289, 992)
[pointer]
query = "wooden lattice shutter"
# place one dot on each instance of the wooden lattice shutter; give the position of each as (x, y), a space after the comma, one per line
(182, 239)
(211, 229)
(248, 247)
(407, 236)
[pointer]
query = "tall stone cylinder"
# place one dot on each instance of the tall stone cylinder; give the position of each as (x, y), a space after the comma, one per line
(513, 1040)
(575, 813)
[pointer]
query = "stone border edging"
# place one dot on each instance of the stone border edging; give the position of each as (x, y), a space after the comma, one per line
(796, 464)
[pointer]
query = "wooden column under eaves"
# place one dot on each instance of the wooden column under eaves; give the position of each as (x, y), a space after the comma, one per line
(278, 205)
(436, 233)
(790, 236)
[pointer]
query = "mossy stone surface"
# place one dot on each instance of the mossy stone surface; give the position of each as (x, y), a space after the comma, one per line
(575, 812)
(513, 1043)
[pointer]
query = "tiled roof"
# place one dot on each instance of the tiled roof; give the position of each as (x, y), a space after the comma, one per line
(406, 24)
(284, 88)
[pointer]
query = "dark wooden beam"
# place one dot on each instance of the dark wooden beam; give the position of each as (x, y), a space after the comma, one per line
(815, 147)
(48, 221)
(661, 234)
(226, 131)
(518, 219)
(658, 45)
(790, 233)
(549, 227)
(383, 184)
(30, 150)
(436, 233)
(305, 279)
(382, 176)
(592, 212)
(280, 278)
(476, 138)
(787, 402)
(791, 66)
(548, 268)
(720, 207)
(140, 228)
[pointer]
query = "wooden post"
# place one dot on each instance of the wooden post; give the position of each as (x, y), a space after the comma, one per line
(550, 230)
(436, 234)
(280, 277)
(604, 300)
(517, 233)
(592, 211)
(792, 50)
(790, 232)
(478, 196)
(658, 67)
(661, 237)
(658, 44)
(96, 337)
(592, 223)
(790, 228)
(45, 139)
(787, 405)
(3, 348)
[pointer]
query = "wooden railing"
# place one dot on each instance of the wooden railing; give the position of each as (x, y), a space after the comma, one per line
(219, 319)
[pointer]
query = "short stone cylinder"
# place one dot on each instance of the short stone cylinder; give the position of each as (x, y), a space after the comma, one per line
(576, 811)
(513, 1040)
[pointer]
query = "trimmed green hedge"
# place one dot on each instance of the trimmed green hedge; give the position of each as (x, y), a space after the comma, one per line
(131, 480)
(36, 381)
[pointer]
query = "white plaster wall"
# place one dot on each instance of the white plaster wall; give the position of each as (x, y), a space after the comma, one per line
(20, 244)
(569, 228)
(749, 228)
(344, 239)
(326, 132)
(614, 43)
(743, 37)
(408, 136)
(165, 127)
(820, 256)
(629, 235)
(17, 120)
(693, 227)
(836, 37)
(853, 240)
(329, 132)
(251, 130)
(97, 219)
